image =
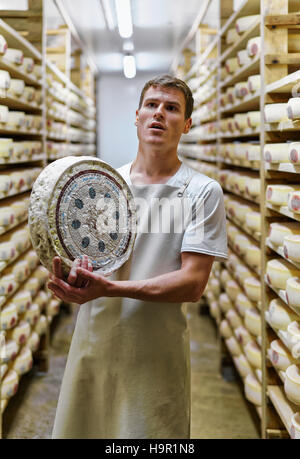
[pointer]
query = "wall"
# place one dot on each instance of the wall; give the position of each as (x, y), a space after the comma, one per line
(118, 99)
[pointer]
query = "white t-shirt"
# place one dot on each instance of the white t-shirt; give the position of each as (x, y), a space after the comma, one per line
(206, 232)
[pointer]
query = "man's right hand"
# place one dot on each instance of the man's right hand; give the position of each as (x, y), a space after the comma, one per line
(73, 279)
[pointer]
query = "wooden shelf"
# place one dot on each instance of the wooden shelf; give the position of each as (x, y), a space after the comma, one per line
(254, 234)
(283, 167)
(284, 85)
(284, 210)
(279, 251)
(239, 163)
(15, 40)
(234, 135)
(242, 73)
(20, 132)
(248, 103)
(283, 406)
(16, 73)
(246, 8)
(20, 104)
(240, 44)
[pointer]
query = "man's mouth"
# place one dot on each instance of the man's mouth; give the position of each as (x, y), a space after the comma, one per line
(157, 126)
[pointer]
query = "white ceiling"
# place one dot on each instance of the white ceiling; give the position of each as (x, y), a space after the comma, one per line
(159, 28)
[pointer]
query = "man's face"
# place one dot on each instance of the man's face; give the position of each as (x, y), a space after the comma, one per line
(161, 118)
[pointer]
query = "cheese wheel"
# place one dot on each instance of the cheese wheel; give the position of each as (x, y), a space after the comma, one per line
(231, 65)
(278, 195)
(253, 354)
(253, 255)
(253, 187)
(241, 242)
(41, 299)
(246, 22)
(253, 221)
(278, 271)
(242, 335)
(225, 329)
(233, 318)
(243, 365)
(293, 201)
(33, 341)
(29, 93)
(15, 119)
(27, 65)
(230, 95)
(280, 315)
(294, 152)
(107, 248)
(37, 70)
(253, 151)
(293, 108)
(293, 293)
(3, 45)
(232, 289)
(253, 390)
(53, 307)
(278, 231)
(274, 113)
(41, 325)
(241, 89)
(20, 333)
(253, 321)
(41, 274)
(9, 316)
(17, 87)
(4, 80)
(243, 57)
(225, 302)
(241, 273)
(21, 239)
(231, 36)
(32, 314)
(240, 121)
(254, 46)
(252, 288)
(254, 82)
(3, 119)
(9, 385)
(32, 286)
(291, 247)
(32, 258)
(293, 337)
(233, 346)
(242, 303)
(253, 118)
(22, 299)
(8, 284)
(292, 384)
(9, 352)
(23, 362)
(5, 182)
(276, 152)
(15, 56)
(280, 356)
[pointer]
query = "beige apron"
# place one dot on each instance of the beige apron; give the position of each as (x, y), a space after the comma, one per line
(128, 369)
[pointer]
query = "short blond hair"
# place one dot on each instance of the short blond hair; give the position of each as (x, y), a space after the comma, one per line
(168, 81)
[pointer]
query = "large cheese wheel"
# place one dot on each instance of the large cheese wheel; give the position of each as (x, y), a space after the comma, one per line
(292, 384)
(241, 121)
(278, 231)
(243, 365)
(20, 333)
(253, 186)
(23, 361)
(293, 108)
(9, 316)
(253, 255)
(82, 206)
(233, 346)
(3, 45)
(242, 303)
(231, 65)
(253, 354)
(33, 341)
(41, 325)
(278, 271)
(253, 118)
(253, 221)
(246, 22)
(27, 65)
(254, 83)
(254, 46)
(3, 119)
(276, 152)
(293, 201)
(230, 94)
(231, 36)
(15, 119)
(9, 384)
(274, 113)
(22, 299)
(15, 56)
(294, 152)
(278, 195)
(253, 321)
(4, 79)
(252, 288)
(291, 247)
(253, 151)
(293, 293)
(243, 57)
(10, 351)
(225, 329)
(280, 315)
(17, 87)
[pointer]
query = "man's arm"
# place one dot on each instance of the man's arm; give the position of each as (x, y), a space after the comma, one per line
(183, 285)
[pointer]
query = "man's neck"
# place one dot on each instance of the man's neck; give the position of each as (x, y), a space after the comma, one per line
(154, 166)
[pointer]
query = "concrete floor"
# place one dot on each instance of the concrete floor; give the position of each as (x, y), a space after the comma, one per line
(219, 409)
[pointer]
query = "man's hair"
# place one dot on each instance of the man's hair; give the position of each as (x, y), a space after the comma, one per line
(168, 81)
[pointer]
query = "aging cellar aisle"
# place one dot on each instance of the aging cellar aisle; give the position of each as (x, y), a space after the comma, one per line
(219, 409)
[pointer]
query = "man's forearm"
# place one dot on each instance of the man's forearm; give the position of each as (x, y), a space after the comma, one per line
(174, 287)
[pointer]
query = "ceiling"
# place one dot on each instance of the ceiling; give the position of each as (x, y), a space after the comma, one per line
(159, 28)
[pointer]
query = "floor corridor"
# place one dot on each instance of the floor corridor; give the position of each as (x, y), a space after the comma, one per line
(218, 407)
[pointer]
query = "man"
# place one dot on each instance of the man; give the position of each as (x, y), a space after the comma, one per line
(128, 369)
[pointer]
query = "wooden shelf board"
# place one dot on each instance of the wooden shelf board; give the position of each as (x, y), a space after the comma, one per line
(234, 135)
(16, 73)
(236, 163)
(282, 296)
(279, 251)
(283, 406)
(15, 40)
(243, 72)
(241, 43)
(284, 85)
(246, 8)
(283, 167)
(20, 132)
(284, 210)
(202, 58)
(19, 104)
(283, 20)
(247, 104)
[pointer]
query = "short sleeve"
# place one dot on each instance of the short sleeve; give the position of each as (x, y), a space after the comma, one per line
(206, 228)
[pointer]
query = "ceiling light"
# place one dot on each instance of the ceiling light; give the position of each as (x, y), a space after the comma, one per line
(107, 13)
(124, 18)
(129, 67)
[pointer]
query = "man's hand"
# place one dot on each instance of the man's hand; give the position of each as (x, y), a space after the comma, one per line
(82, 284)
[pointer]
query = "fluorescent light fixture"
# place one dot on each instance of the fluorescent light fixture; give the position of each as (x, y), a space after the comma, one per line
(128, 46)
(108, 15)
(129, 67)
(124, 18)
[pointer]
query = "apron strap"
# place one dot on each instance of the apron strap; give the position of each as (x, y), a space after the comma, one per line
(184, 186)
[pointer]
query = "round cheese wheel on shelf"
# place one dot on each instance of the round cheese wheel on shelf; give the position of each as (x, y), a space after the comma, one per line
(253, 354)
(293, 293)
(22, 299)
(8, 316)
(274, 113)
(32, 314)
(292, 384)
(277, 152)
(23, 362)
(243, 365)
(253, 221)
(241, 243)
(98, 207)
(241, 121)
(225, 302)
(15, 56)
(4, 79)
(41, 325)
(20, 333)
(9, 352)
(253, 118)
(241, 90)
(253, 321)
(27, 65)
(254, 46)
(280, 315)
(233, 318)
(254, 83)
(246, 22)
(6, 144)
(33, 341)
(252, 288)
(253, 255)
(233, 346)
(279, 355)
(242, 303)
(17, 87)
(9, 385)
(278, 271)
(225, 329)
(278, 194)
(242, 335)
(243, 57)
(293, 108)
(293, 200)
(278, 231)
(41, 299)
(231, 65)
(231, 36)
(253, 390)
(291, 247)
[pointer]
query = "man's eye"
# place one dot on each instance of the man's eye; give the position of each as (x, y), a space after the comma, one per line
(172, 108)
(151, 104)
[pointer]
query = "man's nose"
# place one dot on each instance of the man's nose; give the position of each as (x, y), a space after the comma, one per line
(159, 112)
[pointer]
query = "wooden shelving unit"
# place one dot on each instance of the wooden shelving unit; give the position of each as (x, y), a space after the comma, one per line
(279, 81)
(26, 156)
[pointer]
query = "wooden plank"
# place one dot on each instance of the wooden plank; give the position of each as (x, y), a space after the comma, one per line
(16, 73)
(283, 406)
(242, 73)
(285, 84)
(283, 20)
(246, 8)
(15, 40)
(242, 42)
(286, 58)
(247, 104)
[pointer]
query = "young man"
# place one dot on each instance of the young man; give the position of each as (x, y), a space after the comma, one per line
(128, 369)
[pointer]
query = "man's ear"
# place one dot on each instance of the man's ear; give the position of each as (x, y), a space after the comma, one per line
(136, 117)
(187, 126)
